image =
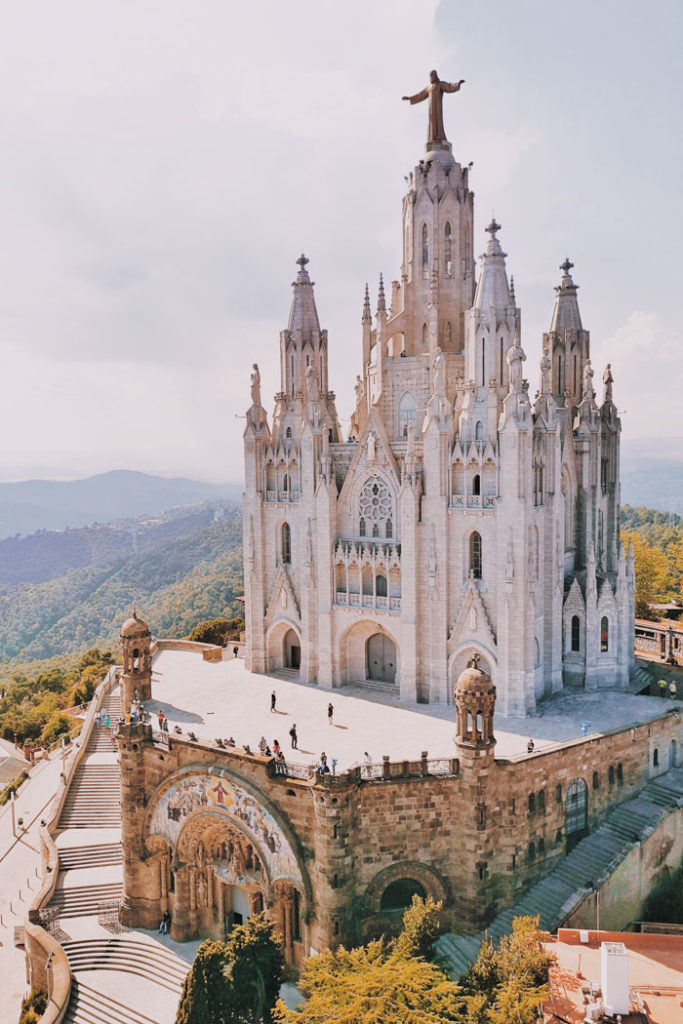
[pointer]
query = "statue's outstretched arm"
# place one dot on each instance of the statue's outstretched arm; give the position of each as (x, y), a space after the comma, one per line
(452, 86)
(418, 97)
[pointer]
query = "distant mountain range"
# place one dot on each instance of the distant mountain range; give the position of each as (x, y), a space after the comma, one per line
(652, 473)
(32, 505)
(69, 590)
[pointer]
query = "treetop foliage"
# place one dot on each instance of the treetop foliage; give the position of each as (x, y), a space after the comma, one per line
(395, 983)
(236, 981)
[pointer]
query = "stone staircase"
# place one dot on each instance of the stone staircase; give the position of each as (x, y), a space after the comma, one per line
(88, 1006)
(146, 959)
(84, 900)
(72, 858)
(593, 859)
(94, 798)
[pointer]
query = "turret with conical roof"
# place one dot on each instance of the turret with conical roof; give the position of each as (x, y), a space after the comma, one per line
(567, 343)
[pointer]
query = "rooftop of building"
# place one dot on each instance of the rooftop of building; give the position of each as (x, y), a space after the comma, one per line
(655, 975)
(221, 699)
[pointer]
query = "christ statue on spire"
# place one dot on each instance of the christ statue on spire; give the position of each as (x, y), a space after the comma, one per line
(434, 93)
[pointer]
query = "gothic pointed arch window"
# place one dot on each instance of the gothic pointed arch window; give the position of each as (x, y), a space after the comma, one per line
(467, 245)
(407, 413)
(479, 431)
(375, 508)
(447, 335)
(448, 249)
(576, 633)
(604, 634)
(286, 541)
(475, 555)
(425, 251)
(425, 335)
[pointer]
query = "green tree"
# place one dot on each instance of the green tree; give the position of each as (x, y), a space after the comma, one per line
(234, 982)
(58, 725)
(420, 928)
(371, 984)
(204, 990)
(652, 574)
(255, 963)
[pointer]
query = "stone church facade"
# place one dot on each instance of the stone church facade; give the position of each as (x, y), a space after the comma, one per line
(460, 515)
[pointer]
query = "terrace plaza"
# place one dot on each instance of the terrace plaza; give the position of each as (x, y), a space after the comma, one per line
(224, 700)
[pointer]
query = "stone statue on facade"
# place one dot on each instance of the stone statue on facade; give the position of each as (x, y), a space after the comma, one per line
(439, 372)
(607, 382)
(515, 358)
(434, 93)
(256, 386)
(588, 380)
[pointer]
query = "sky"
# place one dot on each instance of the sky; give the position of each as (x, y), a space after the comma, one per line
(164, 163)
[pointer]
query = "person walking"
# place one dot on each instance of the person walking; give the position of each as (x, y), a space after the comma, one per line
(235, 651)
(294, 737)
(672, 690)
(330, 714)
(273, 700)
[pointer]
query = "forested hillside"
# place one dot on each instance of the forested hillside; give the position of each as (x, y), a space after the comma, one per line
(658, 548)
(64, 592)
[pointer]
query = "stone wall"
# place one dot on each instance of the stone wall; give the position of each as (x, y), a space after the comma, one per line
(461, 830)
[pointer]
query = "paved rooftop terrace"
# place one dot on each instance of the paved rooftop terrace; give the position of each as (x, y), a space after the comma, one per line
(222, 699)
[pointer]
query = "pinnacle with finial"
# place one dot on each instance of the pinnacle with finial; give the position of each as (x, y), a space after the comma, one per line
(381, 301)
(566, 266)
(493, 227)
(367, 314)
(302, 261)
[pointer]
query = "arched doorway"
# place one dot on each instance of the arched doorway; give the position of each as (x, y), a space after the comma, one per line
(576, 813)
(398, 894)
(292, 651)
(380, 654)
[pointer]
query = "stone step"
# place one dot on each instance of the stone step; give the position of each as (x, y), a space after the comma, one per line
(88, 1006)
(84, 900)
(73, 857)
(146, 960)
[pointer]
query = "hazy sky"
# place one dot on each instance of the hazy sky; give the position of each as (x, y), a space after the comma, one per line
(163, 163)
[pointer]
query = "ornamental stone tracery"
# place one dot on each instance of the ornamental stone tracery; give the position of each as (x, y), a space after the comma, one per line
(375, 508)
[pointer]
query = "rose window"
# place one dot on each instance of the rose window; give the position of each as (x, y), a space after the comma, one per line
(375, 509)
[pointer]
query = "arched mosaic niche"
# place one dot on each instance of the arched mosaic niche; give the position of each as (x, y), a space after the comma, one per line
(195, 792)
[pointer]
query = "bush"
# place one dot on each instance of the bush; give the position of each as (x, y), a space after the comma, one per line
(12, 788)
(217, 631)
(664, 902)
(58, 725)
(33, 1008)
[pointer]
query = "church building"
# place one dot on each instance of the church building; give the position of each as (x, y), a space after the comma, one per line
(460, 515)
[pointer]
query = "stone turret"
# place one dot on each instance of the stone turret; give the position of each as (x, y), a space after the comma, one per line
(136, 680)
(474, 696)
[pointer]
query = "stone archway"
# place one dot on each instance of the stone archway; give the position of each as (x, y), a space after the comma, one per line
(229, 857)
(283, 645)
(368, 652)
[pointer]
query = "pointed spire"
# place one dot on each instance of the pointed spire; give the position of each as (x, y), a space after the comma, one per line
(492, 286)
(303, 316)
(381, 301)
(513, 300)
(367, 314)
(566, 315)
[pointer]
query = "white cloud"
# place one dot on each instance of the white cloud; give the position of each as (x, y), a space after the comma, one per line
(647, 363)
